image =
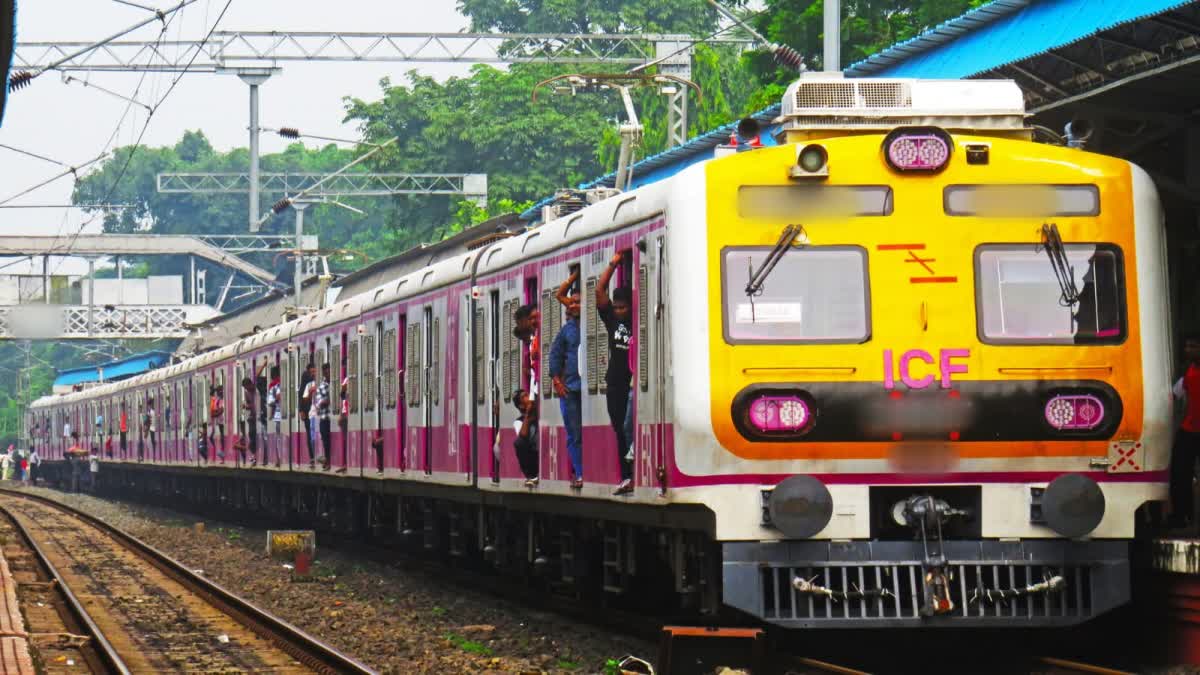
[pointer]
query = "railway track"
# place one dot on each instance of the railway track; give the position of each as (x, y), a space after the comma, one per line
(144, 612)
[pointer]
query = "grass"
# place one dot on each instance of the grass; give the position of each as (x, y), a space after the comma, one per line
(568, 665)
(439, 611)
(468, 645)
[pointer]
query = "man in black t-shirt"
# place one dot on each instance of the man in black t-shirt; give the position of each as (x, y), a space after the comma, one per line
(617, 316)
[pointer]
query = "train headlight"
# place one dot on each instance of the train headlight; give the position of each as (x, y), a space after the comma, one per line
(812, 161)
(1074, 412)
(772, 414)
(766, 413)
(926, 149)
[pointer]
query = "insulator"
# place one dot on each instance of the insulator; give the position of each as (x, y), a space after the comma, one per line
(281, 206)
(788, 57)
(19, 79)
(289, 132)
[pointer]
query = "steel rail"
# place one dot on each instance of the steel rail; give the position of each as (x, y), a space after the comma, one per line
(300, 645)
(105, 650)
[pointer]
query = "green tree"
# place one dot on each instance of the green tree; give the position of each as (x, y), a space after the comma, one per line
(691, 17)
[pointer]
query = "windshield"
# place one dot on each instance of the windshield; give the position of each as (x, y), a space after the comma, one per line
(1020, 299)
(812, 295)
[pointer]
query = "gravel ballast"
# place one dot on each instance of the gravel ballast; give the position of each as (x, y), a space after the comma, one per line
(397, 618)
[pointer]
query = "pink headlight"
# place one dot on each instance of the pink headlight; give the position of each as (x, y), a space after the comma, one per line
(1074, 412)
(918, 152)
(779, 413)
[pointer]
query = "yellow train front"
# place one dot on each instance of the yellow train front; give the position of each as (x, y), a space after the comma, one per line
(937, 363)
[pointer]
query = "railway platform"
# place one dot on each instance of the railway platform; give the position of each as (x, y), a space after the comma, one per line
(1172, 598)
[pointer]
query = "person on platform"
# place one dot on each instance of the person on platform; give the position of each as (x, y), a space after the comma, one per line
(34, 461)
(93, 471)
(1187, 439)
(564, 369)
(76, 455)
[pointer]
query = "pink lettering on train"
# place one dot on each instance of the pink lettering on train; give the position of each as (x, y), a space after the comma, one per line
(948, 365)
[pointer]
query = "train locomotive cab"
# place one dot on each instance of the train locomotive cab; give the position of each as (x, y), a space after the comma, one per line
(938, 360)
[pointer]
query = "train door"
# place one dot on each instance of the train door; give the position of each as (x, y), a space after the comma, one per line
(336, 454)
(287, 387)
(372, 415)
(493, 383)
(427, 395)
(399, 383)
(354, 447)
(654, 360)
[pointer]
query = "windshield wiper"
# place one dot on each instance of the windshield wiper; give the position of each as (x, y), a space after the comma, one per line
(1052, 243)
(757, 279)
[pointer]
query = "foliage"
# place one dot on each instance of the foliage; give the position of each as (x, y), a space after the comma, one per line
(691, 17)
(468, 645)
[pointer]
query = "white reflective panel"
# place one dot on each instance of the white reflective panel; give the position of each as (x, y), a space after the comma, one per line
(794, 203)
(1015, 201)
(1020, 299)
(812, 295)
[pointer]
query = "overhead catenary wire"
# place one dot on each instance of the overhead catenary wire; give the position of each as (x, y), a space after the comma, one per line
(23, 78)
(32, 154)
(150, 116)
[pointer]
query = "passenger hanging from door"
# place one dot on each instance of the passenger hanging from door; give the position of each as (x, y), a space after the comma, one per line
(564, 368)
(248, 424)
(216, 416)
(322, 406)
(308, 389)
(617, 316)
(526, 443)
(275, 403)
(261, 387)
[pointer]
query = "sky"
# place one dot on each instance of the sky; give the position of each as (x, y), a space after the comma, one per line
(72, 123)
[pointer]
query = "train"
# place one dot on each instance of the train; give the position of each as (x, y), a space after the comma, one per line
(896, 363)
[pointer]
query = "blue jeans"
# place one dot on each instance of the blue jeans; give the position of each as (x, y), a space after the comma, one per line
(571, 407)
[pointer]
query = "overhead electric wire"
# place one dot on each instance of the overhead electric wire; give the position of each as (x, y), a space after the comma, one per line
(32, 154)
(150, 116)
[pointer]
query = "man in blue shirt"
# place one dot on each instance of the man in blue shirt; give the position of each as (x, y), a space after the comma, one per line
(564, 368)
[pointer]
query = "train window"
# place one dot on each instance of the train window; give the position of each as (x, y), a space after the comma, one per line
(815, 295)
(595, 340)
(435, 371)
(549, 312)
(506, 346)
(642, 348)
(1021, 201)
(793, 202)
(352, 374)
(478, 341)
(368, 373)
(1020, 299)
(335, 376)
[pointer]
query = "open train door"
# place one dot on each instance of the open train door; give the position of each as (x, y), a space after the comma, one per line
(652, 365)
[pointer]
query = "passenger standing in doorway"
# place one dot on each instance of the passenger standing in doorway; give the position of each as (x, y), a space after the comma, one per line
(249, 424)
(526, 320)
(309, 414)
(564, 369)
(34, 461)
(1187, 439)
(307, 389)
(99, 426)
(150, 424)
(275, 403)
(261, 386)
(124, 432)
(216, 417)
(322, 406)
(618, 324)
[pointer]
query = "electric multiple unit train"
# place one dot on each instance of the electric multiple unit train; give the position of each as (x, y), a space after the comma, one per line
(898, 365)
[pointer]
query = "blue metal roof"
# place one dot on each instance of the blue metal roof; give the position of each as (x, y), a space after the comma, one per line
(116, 370)
(1004, 32)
